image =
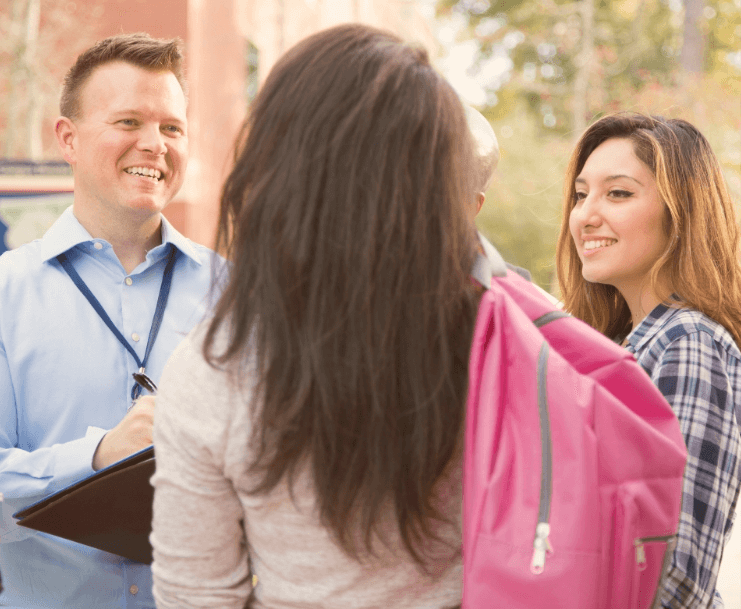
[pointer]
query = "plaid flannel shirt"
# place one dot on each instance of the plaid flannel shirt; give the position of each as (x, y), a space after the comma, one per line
(696, 365)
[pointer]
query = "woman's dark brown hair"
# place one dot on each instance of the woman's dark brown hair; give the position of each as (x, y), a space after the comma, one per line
(701, 261)
(348, 221)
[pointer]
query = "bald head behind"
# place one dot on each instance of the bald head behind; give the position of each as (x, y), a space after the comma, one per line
(486, 147)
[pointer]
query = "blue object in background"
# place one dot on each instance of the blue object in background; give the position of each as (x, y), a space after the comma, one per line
(3, 230)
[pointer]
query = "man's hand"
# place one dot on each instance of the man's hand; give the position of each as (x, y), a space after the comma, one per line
(133, 433)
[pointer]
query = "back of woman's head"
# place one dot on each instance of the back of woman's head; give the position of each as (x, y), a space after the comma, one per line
(348, 219)
(700, 263)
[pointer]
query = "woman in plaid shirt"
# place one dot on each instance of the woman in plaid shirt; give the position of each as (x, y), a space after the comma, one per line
(648, 254)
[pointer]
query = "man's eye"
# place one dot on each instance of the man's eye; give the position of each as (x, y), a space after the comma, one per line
(129, 122)
(172, 129)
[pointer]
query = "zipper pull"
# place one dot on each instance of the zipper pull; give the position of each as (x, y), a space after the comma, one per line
(542, 546)
(640, 555)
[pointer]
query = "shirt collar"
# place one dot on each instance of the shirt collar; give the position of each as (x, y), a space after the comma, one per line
(489, 263)
(63, 235)
(67, 232)
(649, 327)
(171, 235)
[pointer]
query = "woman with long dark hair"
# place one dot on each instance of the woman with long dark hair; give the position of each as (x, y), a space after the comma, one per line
(310, 433)
(648, 254)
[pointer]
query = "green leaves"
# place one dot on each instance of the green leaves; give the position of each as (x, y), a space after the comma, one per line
(624, 46)
(574, 60)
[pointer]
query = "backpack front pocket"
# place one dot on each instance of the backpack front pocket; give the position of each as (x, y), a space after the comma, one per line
(650, 553)
(637, 560)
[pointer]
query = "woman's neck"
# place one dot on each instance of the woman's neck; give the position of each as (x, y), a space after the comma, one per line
(641, 300)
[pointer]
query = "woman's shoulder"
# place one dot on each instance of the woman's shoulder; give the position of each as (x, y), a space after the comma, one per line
(693, 325)
(189, 353)
(190, 376)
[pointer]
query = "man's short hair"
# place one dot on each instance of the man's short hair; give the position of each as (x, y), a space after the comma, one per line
(485, 145)
(139, 49)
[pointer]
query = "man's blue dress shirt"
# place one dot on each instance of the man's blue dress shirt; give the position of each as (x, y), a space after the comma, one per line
(64, 380)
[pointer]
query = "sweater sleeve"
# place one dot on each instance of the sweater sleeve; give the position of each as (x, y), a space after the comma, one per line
(200, 550)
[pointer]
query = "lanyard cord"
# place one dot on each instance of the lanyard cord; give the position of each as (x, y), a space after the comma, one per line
(158, 312)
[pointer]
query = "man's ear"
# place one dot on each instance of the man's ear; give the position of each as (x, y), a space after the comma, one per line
(66, 133)
(480, 196)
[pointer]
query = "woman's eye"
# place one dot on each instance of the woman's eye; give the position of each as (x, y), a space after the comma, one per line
(620, 194)
(580, 196)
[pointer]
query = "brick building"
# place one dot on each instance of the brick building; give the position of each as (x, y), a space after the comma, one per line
(230, 46)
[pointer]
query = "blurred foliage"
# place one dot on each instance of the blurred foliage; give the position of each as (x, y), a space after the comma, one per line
(522, 211)
(634, 43)
(632, 64)
(65, 29)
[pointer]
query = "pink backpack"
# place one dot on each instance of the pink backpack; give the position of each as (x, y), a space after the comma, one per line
(573, 463)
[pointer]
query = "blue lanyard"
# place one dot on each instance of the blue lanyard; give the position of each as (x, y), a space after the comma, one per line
(158, 312)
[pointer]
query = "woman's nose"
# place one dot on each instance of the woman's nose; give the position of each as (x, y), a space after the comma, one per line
(587, 212)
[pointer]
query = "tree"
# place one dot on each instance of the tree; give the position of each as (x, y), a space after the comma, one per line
(693, 44)
(14, 102)
(583, 66)
(574, 60)
(32, 32)
(522, 209)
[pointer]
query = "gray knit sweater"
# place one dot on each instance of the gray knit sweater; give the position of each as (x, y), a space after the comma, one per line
(207, 530)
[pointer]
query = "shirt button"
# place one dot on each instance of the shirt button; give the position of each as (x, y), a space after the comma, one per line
(133, 589)
(98, 245)
(135, 337)
(129, 281)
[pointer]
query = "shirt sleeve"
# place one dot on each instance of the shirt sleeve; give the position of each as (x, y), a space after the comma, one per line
(691, 375)
(28, 476)
(198, 538)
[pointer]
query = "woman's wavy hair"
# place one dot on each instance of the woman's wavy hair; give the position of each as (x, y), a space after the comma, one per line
(347, 218)
(701, 261)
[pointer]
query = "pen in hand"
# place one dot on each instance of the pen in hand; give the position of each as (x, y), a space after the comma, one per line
(143, 381)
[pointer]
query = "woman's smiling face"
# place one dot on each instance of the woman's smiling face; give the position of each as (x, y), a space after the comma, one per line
(617, 221)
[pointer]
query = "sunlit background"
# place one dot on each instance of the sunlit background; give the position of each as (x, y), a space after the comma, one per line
(539, 70)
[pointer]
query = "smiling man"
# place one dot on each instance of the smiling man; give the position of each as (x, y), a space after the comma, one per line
(110, 261)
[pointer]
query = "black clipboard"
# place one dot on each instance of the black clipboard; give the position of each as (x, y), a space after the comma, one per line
(110, 510)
